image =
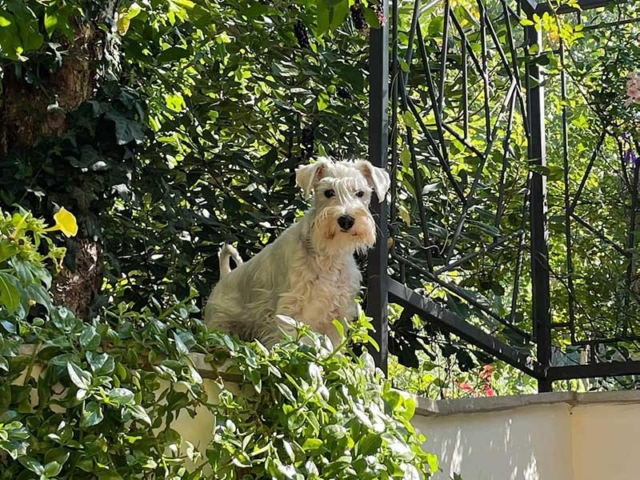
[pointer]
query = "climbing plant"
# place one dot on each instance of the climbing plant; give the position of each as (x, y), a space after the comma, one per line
(100, 399)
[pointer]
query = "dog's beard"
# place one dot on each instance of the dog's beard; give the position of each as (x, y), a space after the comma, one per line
(327, 236)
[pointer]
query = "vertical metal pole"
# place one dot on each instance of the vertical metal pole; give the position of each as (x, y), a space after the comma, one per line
(539, 233)
(378, 155)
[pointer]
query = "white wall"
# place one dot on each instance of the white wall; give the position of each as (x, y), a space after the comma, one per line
(560, 436)
(606, 442)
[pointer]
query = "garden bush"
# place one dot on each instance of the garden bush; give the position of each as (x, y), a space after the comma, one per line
(98, 399)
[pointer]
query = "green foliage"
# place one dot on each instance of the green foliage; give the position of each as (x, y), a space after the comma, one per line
(87, 167)
(235, 104)
(227, 102)
(203, 108)
(316, 415)
(24, 280)
(99, 399)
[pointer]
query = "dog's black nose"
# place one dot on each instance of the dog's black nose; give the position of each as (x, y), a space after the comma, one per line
(346, 222)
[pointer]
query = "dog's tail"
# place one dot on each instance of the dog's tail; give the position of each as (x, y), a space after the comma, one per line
(226, 252)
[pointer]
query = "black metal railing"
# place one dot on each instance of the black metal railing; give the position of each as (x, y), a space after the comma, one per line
(458, 118)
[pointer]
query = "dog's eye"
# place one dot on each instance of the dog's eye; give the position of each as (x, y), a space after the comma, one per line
(329, 193)
(360, 194)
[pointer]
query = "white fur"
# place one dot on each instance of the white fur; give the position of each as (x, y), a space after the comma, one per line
(309, 273)
(227, 252)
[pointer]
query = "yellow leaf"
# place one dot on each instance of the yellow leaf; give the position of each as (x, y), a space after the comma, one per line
(125, 16)
(123, 25)
(405, 215)
(66, 222)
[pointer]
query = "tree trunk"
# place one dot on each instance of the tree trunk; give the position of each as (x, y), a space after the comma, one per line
(77, 287)
(31, 112)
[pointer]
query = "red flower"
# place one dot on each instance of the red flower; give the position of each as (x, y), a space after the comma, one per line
(465, 386)
(487, 372)
(488, 391)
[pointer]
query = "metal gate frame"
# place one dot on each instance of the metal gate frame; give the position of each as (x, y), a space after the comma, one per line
(382, 289)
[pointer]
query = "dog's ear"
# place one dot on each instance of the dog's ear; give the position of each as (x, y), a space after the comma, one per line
(308, 175)
(377, 177)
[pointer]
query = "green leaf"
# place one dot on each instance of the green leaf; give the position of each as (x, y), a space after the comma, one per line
(409, 408)
(92, 415)
(140, 413)
(556, 173)
(4, 364)
(50, 21)
(10, 43)
(52, 469)
(432, 460)
(121, 396)
(180, 346)
(410, 472)
(89, 338)
(126, 130)
(436, 27)
(80, 378)
(339, 327)
(58, 455)
(371, 17)
(9, 293)
(40, 295)
(410, 120)
(405, 156)
(323, 101)
(370, 444)
(541, 169)
(32, 464)
(172, 54)
(5, 19)
(339, 13)
(322, 20)
(394, 399)
(28, 27)
(312, 444)
(100, 363)
(108, 475)
(7, 249)
(23, 271)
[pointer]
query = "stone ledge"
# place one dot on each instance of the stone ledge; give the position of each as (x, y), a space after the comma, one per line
(435, 408)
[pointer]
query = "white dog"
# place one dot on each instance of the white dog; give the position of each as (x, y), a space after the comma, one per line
(309, 273)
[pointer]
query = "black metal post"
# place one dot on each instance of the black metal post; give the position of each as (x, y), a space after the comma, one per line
(377, 290)
(541, 310)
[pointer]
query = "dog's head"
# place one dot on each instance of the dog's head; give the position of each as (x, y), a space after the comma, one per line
(341, 194)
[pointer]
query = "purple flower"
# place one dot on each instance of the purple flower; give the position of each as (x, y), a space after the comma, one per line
(631, 157)
(626, 136)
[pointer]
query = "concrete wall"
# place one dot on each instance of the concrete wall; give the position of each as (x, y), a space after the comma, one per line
(557, 436)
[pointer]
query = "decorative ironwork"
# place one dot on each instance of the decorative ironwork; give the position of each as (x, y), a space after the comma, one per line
(466, 92)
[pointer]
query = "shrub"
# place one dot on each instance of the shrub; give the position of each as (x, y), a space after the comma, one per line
(98, 399)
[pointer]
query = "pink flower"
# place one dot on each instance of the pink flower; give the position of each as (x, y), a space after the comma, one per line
(488, 391)
(487, 373)
(633, 89)
(465, 386)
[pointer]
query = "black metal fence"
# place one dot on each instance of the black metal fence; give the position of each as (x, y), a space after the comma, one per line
(459, 103)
